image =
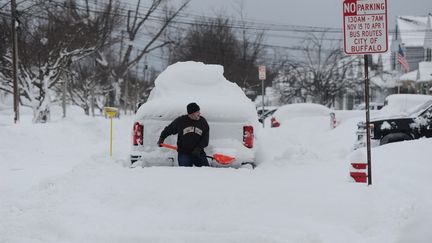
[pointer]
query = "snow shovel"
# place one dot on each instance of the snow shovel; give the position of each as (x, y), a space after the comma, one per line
(220, 158)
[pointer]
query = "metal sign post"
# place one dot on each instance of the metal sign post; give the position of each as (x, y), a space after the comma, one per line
(111, 112)
(368, 133)
(365, 32)
(262, 77)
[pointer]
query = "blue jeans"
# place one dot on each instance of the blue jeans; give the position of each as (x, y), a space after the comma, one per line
(189, 160)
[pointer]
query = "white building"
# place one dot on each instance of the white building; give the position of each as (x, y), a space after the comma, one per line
(414, 34)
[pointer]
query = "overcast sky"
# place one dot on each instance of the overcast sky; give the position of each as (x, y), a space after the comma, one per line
(282, 13)
(321, 13)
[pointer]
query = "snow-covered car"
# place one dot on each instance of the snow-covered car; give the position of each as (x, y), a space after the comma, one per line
(268, 111)
(403, 104)
(261, 111)
(318, 112)
(230, 114)
(416, 124)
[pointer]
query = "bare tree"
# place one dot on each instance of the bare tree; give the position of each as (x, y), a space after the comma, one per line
(5, 68)
(251, 50)
(287, 84)
(49, 45)
(88, 79)
(135, 22)
(89, 82)
(212, 41)
(321, 76)
(215, 41)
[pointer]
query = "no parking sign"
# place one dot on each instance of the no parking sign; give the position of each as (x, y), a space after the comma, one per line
(365, 32)
(365, 26)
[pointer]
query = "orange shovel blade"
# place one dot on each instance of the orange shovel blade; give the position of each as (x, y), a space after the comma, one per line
(223, 159)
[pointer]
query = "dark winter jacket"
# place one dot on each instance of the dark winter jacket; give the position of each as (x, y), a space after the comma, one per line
(190, 133)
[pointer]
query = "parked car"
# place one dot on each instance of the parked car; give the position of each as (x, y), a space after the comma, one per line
(416, 124)
(403, 104)
(261, 111)
(231, 115)
(290, 111)
(268, 112)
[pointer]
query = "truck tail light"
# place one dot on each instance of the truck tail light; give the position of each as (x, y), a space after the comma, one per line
(248, 136)
(274, 122)
(137, 136)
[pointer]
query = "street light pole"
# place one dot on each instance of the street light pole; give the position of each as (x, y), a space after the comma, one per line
(15, 61)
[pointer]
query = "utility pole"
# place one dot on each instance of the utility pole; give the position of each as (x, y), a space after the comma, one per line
(64, 95)
(15, 60)
(262, 77)
(126, 93)
(145, 69)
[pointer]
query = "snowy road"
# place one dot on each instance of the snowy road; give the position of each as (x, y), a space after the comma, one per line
(57, 184)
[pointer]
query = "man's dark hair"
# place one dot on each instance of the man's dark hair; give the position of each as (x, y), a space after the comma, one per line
(192, 107)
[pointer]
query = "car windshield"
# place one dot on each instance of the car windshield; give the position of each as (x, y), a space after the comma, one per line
(420, 108)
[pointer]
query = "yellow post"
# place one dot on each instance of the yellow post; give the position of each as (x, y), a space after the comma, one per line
(111, 137)
(111, 112)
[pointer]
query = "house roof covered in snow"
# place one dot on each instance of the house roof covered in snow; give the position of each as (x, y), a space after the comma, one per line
(410, 76)
(412, 30)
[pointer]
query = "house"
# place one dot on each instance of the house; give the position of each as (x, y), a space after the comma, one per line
(424, 78)
(382, 81)
(414, 34)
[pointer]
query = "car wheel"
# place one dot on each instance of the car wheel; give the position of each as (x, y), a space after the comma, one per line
(249, 165)
(394, 137)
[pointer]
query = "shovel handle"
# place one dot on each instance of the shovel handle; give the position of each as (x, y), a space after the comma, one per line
(168, 146)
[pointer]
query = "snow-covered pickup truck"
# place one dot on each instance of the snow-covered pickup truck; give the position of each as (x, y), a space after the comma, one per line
(416, 124)
(231, 116)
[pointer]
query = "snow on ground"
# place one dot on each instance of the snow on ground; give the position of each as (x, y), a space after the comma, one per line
(58, 184)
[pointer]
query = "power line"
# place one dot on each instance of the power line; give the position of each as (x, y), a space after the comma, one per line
(185, 19)
(259, 27)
